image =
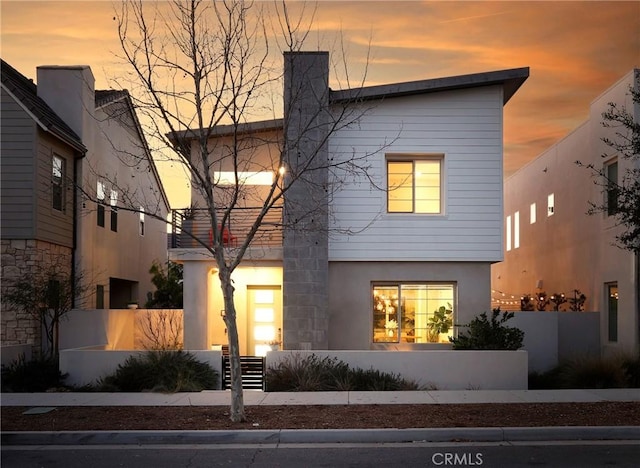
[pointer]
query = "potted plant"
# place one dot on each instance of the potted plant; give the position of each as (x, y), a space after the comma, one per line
(440, 322)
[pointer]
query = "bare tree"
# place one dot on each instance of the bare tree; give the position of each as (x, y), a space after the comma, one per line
(47, 293)
(206, 68)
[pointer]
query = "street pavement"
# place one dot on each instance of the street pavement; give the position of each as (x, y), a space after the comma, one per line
(290, 436)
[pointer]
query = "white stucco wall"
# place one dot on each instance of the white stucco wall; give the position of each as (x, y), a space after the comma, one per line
(444, 370)
(86, 365)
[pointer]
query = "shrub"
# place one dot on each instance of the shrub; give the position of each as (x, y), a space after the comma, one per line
(37, 375)
(593, 372)
(590, 372)
(161, 371)
(485, 333)
(314, 374)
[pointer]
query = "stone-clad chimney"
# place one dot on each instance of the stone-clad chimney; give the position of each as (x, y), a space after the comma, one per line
(305, 245)
(70, 92)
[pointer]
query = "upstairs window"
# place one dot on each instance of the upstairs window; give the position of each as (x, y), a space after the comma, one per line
(550, 204)
(516, 230)
(611, 170)
(58, 174)
(113, 201)
(100, 195)
(532, 213)
(508, 228)
(414, 185)
(141, 221)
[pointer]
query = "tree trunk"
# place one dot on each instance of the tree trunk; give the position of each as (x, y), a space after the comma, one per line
(237, 396)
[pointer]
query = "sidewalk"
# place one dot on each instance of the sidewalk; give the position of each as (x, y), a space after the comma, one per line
(258, 398)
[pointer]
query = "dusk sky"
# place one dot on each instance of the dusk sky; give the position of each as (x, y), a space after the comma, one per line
(575, 50)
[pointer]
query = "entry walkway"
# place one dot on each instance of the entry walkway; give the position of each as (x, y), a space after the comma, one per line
(256, 398)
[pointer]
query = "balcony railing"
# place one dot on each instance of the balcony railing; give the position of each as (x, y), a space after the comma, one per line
(198, 223)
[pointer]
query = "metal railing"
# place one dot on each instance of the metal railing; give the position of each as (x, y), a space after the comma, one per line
(191, 228)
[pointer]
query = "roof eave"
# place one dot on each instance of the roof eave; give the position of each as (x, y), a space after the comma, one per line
(510, 79)
(226, 130)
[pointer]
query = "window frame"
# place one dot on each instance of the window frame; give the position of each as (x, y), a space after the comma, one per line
(113, 201)
(58, 199)
(414, 158)
(100, 196)
(141, 221)
(399, 336)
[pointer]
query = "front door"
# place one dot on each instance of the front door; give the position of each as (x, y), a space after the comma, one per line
(265, 319)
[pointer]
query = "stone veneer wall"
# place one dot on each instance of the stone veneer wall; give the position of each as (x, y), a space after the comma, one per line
(19, 256)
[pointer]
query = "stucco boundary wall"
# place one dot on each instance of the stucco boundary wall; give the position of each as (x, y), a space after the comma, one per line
(553, 337)
(442, 370)
(86, 365)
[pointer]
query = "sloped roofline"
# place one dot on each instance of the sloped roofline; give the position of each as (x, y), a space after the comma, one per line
(510, 79)
(25, 93)
(104, 98)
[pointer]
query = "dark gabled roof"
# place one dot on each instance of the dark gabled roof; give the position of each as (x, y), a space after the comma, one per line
(107, 96)
(510, 79)
(26, 92)
(225, 130)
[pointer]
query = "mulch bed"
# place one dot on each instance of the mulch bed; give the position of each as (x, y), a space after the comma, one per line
(79, 418)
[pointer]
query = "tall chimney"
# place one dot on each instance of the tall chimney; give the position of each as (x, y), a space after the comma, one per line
(70, 92)
(305, 244)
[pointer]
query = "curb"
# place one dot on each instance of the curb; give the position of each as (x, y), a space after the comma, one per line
(297, 436)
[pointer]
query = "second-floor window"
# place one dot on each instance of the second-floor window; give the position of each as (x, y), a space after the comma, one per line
(141, 225)
(57, 183)
(113, 201)
(414, 184)
(100, 195)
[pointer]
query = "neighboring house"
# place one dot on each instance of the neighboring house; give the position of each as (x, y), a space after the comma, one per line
(418, 235)
(63, 145)
(553, 246)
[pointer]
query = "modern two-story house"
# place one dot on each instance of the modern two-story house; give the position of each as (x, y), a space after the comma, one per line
(553, 246)
(405, 242)
(73, 160)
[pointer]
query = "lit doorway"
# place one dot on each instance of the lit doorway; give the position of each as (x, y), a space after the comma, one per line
(264, 305)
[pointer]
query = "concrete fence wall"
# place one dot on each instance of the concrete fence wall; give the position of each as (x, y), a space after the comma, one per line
(551, 337)
(87, 365)
(444, 370)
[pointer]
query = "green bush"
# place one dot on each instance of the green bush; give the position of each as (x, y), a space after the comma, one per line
(37, 375)
(161, 371)
(314, 374)
(485, 333)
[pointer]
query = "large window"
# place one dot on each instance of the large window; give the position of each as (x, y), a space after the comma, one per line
(413, 313)
(58, 173)
(414, 185)
(612, 188)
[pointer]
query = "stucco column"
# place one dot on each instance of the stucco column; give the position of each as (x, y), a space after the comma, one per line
(196, 304)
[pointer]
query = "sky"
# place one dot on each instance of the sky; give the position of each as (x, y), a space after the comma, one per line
(575, 50)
